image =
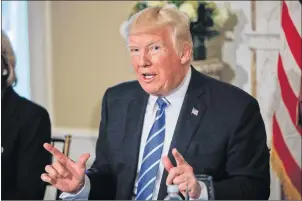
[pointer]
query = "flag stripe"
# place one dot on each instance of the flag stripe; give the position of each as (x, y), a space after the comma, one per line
(287, 190)
(288, 95)
(286, 142)
(295, 9)
(289, 132)
(292, 70)
(292, 36)
(292, 169)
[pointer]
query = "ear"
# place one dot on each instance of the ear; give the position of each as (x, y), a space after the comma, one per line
(186, 54)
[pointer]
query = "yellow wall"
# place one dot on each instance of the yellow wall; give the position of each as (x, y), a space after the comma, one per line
(89, 55)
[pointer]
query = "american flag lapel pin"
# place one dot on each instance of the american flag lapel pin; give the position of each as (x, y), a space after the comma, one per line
(194, 111)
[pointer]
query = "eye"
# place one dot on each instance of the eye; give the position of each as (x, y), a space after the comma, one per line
(155, 47)
(133, 50)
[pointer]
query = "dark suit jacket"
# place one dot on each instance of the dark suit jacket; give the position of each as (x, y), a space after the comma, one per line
(25, 127)
(226, 139)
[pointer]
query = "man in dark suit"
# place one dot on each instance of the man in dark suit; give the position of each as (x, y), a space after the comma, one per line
(25, 126)
(168, 126)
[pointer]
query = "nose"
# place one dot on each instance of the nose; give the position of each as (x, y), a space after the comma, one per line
(144, 60)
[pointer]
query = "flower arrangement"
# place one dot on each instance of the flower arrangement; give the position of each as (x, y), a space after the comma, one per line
(204, 15)
(206, 19)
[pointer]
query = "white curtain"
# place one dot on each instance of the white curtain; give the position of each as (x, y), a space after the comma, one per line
(15, 24)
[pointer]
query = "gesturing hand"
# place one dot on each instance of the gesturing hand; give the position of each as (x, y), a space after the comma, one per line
(65, 174)
(181, 175)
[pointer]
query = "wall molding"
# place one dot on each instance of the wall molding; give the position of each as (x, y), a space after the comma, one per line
(49, 64)
(263, 40)
(40, 48)
(75, 132)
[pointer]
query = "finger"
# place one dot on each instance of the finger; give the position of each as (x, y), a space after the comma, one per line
(167, 163)
(178, 157)
(51, 171)
(62, 171)
(187, 185)
(180, 179)
(174, 172)
(83, 159)
(56, 153)
(194, 189)
(46, 178)
(182, 187)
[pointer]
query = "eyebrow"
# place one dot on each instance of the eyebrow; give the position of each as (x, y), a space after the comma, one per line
(156, 42)
(149, 44)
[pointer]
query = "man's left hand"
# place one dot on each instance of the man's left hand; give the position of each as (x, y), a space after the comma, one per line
(182, 175)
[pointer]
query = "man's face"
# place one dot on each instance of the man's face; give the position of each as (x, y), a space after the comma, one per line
(158, 67)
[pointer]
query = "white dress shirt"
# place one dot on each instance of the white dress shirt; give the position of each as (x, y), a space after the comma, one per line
(175, 98)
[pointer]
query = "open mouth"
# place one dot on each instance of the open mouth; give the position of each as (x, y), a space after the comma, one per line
(148, 76)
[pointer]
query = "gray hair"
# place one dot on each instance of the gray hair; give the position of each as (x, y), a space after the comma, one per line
(155, 17)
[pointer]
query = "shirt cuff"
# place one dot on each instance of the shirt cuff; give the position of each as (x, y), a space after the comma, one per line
(83, 194)
(203, 193)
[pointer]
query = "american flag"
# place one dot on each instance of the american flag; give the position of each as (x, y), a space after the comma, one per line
(286, 138)
(300, 106)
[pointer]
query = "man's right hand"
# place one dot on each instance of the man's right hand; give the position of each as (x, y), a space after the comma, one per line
(65, 174)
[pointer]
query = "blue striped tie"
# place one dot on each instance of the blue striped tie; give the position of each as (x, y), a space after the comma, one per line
(152, 154)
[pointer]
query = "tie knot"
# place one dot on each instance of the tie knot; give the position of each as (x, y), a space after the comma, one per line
(162, 103)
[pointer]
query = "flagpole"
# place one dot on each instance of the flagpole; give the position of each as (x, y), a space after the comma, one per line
(254, 52)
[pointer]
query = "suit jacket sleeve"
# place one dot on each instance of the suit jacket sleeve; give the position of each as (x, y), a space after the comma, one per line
(32, 158)
(103, 182)
(247, 160)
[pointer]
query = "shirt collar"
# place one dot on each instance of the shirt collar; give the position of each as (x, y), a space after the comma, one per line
(177, 93)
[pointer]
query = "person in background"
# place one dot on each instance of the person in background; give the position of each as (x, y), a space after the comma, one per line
(169, 125)
(25, 126)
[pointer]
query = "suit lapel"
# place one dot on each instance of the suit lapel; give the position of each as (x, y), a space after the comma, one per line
(193, 109)
(132, 138)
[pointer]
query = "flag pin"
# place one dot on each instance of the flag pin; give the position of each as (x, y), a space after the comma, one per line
(194, 111)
